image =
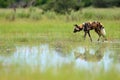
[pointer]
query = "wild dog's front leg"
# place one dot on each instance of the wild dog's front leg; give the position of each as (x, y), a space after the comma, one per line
(99, 37)
(89, 36)
(99, 34)
(85, 35)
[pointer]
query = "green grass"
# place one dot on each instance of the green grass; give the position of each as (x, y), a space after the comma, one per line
(65, 73)
(50, 30)
(56, 30)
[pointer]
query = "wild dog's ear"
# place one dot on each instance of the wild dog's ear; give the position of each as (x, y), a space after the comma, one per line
(75, 25)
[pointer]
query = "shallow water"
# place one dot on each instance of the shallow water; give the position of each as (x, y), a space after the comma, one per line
(81, 57)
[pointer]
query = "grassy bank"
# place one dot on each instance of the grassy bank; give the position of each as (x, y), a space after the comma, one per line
(67, 73)
(24, 30)
(85, 13)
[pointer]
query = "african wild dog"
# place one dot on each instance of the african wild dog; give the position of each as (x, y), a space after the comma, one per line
(87, 26)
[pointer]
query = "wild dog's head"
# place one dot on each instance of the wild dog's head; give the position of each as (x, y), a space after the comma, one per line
(77, 28)
(102, 30)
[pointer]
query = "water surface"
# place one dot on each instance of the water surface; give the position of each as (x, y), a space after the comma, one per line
(81, 57)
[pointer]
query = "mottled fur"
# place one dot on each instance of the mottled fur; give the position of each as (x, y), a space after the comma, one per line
(87, 26)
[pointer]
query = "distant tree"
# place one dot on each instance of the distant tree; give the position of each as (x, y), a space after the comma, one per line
(116, 3)
(86, 3)
(106, 3)
(63, 6)
(3, 3)
(99, 3)
(21, 3)
(60, 6)
(41, 2)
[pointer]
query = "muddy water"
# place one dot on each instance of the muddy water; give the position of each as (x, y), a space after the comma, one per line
(81, 57)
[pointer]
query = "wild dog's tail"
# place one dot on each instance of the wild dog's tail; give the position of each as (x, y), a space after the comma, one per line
(103, 32)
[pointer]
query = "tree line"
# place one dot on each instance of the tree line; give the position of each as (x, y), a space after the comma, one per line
(60, 6)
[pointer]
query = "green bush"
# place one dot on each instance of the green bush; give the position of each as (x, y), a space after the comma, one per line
(63, 6)
(50, 14)
(23, 14)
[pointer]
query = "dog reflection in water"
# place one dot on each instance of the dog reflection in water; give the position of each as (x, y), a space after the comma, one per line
(87, 56)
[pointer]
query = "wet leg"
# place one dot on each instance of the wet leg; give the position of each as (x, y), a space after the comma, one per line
(99, 37)
(85, 35)
(89, 36)
(98, 32)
